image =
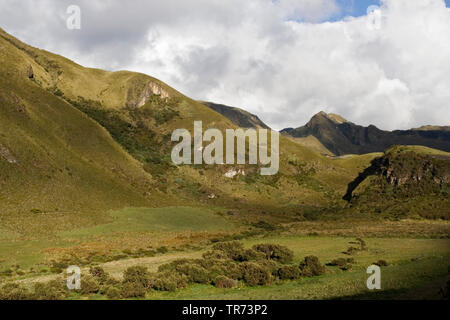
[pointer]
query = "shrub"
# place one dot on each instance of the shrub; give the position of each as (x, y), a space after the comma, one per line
(289, 272)
(165, 281)
(254, 274)
(52, 290)
(112, 292)
(351, 250)
(276, 252)
(99, 274)
(224, 282)
(270, 265)
(132, 290)
(232, 249)
(381, 263)
(194, 273)
(162, 249)
(89, 285)
(342, 263)
(13, 291)
(228, 268)
(362, 243)
(172, 266)
(138, 275)
(250, 255)
(311, 267)
(215, 254)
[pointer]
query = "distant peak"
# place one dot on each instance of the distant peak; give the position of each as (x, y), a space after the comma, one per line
(331, 116)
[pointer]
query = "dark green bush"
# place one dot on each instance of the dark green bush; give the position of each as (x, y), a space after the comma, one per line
(52, 290)
(99, 274)
(276, 252)
(112, 292)
(224, 282)
(13, 291)
(167, 281)
(89, 285)
(289, 272)
(381, 263)
(132, 290)
(194, 273)
(162, 249)
(138, 275)
(311, 266)
(233, 249)
(255, 275)
(250, 255)
(340, 262)
(215, 254)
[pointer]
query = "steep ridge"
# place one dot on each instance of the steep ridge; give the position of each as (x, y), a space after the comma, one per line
(238, 116)
(343, 137)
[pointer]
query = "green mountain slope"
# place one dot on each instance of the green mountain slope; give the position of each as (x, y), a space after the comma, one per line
(77, 142)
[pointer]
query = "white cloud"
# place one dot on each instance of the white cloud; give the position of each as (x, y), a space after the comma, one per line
(269, 57)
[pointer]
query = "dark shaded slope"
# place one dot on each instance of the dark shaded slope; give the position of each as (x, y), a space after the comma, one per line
(344, 137)
(238, 116)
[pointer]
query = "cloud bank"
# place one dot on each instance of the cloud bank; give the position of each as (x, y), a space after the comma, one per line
(279, 59)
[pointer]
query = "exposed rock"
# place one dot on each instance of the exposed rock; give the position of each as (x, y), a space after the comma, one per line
(30, 72)
(152, 88)
(233, 172)
(6, 154)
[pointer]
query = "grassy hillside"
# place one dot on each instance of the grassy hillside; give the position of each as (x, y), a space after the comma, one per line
(86, 177)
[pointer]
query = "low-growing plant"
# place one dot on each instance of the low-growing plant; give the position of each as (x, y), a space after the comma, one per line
(276, 252)
(224, 282)
(138, 275)
(89, 285)
(255, 275)
(311, 266)
(194, 273)
(232, 249)
(167, 281)
(112, 292)
(52, 290)
(381, 263)
(14, 291)
(99, 274)
(132, 290)
(289, 272)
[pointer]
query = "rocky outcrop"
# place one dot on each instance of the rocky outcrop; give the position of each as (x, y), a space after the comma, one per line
(151, 88)
(408, 169)
(30, 72)
(6, 154)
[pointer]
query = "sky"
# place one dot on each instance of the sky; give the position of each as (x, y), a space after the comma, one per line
(284, 60)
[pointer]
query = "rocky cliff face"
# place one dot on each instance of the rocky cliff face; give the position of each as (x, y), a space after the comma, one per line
(139, 94)
(409, 171)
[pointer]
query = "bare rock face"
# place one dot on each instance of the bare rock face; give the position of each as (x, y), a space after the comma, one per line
(5, 154)
(152, 88)
(30, 72)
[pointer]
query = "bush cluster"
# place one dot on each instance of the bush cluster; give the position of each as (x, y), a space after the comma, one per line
(225, 266)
